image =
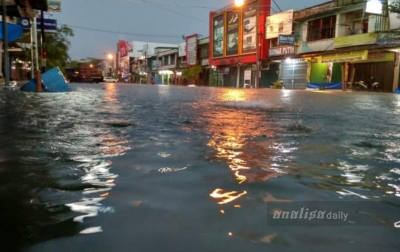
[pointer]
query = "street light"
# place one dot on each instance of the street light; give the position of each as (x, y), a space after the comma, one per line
(240, 3)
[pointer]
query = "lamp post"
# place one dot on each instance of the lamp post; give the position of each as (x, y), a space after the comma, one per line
(111, 59)
(240, 3)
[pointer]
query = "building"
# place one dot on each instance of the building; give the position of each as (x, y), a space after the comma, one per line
(336, 43)
(237, 40)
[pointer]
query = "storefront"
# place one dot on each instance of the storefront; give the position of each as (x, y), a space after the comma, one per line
(352, 66)
(233, 43)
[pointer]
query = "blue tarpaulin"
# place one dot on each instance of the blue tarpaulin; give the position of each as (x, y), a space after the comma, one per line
(397, 91)
(14, 32)
(52, 81)
(328, 85)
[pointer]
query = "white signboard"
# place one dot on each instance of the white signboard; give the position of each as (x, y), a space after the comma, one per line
(247, 75)
(191, 50)
(280, 23)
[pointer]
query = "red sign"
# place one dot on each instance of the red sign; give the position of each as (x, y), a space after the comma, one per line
(123, 48)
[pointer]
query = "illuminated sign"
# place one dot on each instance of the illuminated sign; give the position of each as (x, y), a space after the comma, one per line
(218, 36)
(249, 28)
(232, 33)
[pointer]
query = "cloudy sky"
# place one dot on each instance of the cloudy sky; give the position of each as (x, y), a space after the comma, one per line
(99, 24)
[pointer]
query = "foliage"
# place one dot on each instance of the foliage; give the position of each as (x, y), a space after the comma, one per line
(57, 47)
(395, 6)
(191, 72)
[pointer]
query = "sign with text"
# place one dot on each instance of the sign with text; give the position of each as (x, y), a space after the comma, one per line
(218, 36)
(232, 33)
(124, 47)
(54, 5)
(249, 28)
(50, 25)
(191, 50)
(284, 50)
(286, 40)
(280, 23)
(345, 56)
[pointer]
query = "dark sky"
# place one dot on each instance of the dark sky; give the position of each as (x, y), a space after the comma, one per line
(99, 24)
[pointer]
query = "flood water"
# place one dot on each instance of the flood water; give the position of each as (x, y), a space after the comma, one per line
(115, 167)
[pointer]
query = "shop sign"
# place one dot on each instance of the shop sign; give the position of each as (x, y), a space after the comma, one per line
(191, 50)
(204, 62)
(286, 40)
(280, 23)
(284, 50)
(54, 5)
(345, 56)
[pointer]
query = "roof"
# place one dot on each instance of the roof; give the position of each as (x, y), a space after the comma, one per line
(24, 8)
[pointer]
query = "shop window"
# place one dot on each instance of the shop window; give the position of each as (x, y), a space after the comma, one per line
(323, 28)
(173, 60)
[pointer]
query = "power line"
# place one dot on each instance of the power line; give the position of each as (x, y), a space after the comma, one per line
(279, 8)
(125, 33)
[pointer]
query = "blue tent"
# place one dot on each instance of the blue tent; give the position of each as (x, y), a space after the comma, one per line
(14, 32)
(52, 81)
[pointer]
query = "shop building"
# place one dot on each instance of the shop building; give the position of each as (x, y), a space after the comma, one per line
(237, 41)
(340, 43)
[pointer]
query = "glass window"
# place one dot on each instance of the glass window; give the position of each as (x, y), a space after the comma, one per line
(323, 28)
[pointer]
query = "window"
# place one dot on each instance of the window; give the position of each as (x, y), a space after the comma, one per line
(323, 28)
(274, 42)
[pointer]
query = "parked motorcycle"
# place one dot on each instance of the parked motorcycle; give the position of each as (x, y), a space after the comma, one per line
(371, 84)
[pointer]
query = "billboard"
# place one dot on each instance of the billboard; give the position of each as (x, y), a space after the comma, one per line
(54, 5)
(249, 28)
(280, 23)
(191, 50)
(232, 33)
(218, 36)
(124, 48)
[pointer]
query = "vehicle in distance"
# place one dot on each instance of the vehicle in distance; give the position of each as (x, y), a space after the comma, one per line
(109, 79)
(96, 78)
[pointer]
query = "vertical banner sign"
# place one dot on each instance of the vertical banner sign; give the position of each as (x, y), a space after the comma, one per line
(191, 50)
(232, 33)
(218, 36)
(249, 28)
(123, 48)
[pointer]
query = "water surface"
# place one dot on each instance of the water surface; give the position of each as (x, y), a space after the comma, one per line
(116, 167)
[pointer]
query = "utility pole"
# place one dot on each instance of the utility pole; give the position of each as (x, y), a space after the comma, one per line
(257, 80)
(6, 63)
(42, 42)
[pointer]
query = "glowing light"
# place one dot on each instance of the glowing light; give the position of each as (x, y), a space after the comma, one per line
(226, 197)
(239, 177)
(239, 3)
(104, 195)
(222, 211)
(230, 233)
(234, 95)
(237, 206)
(110, 56)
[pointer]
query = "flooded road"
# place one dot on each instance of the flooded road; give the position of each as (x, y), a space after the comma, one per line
(115, 167)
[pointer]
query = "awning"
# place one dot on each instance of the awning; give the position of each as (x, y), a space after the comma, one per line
(14, 31)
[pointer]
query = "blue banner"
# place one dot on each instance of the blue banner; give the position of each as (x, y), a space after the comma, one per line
(50, 25)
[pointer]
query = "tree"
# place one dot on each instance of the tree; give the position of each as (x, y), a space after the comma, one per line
(57, 46)
(394, 6)
(191, 72)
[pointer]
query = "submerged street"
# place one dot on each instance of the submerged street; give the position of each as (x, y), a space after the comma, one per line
(119, 167)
